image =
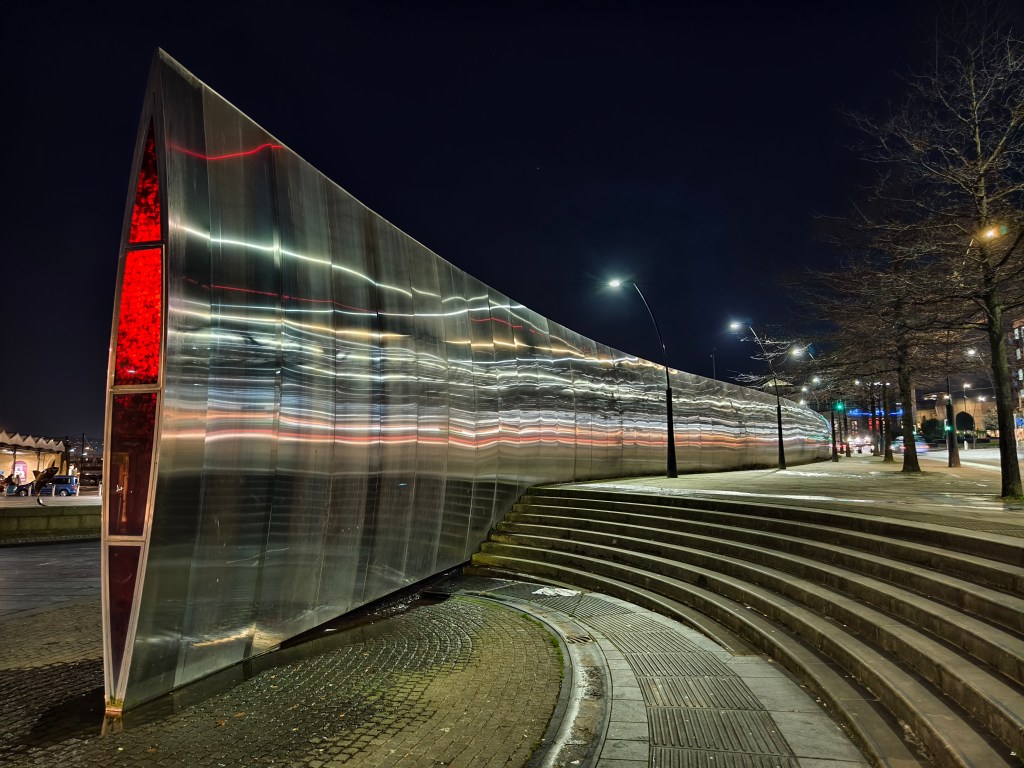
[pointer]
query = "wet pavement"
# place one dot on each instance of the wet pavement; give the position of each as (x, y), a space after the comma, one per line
(468, 673)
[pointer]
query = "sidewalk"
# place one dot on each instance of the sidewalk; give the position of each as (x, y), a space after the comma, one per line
(962, 497)
(466, 672)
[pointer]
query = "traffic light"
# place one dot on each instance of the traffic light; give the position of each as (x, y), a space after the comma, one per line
(946, 426)
(840, 406)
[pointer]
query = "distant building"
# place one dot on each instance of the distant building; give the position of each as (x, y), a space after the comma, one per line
(22, 455)
(980, 407)
(1017, 369)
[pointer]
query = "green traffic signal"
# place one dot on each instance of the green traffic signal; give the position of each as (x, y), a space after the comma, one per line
(840, 406)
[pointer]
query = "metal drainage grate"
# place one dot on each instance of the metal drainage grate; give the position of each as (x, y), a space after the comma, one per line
(578, 639)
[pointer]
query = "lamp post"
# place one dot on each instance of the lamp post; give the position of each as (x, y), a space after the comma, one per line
(952, 452)
(775, 380)
(966, 413)
(671, 457)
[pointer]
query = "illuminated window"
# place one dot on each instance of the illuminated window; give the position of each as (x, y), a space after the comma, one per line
(139, 319)
(146, 210)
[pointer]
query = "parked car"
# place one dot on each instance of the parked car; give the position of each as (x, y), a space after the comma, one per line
(919, 443)
(60, 485)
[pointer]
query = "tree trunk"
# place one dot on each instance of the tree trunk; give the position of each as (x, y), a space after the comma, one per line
(1010, 469)
(910, 461)
(953, 459)
(876, 430)
(886, 425)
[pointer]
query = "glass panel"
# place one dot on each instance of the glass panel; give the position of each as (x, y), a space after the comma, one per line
(184, 372)
(131, 451)
(146, 211)
(139, 319)
(122, 572)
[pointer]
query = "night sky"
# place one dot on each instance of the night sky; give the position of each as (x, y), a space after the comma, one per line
(542, 148)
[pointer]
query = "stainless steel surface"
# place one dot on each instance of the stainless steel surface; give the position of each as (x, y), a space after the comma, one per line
(346, 413)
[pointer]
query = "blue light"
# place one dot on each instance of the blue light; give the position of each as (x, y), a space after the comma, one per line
(858, 412)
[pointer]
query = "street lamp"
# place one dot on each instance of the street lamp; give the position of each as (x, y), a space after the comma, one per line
(775, 380)
(671, 457)
(813, 393)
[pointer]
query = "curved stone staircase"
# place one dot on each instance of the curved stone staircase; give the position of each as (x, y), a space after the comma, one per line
(912, 634)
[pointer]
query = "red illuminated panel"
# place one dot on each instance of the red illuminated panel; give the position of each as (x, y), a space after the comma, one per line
(122, 573)
(132, 419)
(146, 210)
(139, 319)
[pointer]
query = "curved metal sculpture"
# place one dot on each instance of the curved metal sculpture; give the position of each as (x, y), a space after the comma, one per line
(308, 410)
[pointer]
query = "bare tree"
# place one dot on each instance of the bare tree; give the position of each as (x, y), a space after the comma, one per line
(957, 140)
(876, 332)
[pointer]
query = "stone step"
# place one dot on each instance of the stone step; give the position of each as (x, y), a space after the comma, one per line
(830, 528)
(833, 567)
(991, 547)
(989, 699)
(940, 605)
(874, 557)
(805, 642)
(879, 736)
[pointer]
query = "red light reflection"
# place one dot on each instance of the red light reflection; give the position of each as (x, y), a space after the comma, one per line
(229, 155)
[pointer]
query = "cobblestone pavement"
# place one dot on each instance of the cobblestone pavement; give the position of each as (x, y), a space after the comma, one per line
(462, 682)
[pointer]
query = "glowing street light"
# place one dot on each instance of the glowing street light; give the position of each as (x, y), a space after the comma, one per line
(671, 457)
(736, 326)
